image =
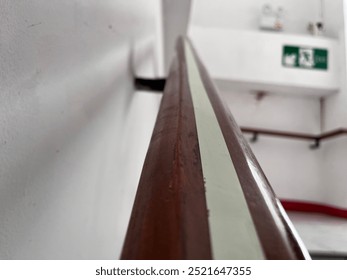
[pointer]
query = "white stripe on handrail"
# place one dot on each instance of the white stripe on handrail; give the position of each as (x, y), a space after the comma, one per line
(233, 234)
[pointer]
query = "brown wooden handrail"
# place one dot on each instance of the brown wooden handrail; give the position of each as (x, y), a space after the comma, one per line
(170, 216)
(302, 136)
(333, 133)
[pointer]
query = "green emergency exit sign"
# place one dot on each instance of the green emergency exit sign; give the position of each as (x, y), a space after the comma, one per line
(305, 57)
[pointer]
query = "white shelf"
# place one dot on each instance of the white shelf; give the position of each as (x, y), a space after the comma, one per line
(251, 60)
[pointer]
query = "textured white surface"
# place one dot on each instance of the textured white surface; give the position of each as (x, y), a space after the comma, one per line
(73, 132)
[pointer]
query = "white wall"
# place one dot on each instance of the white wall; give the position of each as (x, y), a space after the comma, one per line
(334, 182)
(71, 125)
(291, 167)
(277, 112)
(244, 15)
(175, 18)
(333, 18)
(335, 114)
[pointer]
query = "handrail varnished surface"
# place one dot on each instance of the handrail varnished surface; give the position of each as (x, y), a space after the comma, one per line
(170, 218)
